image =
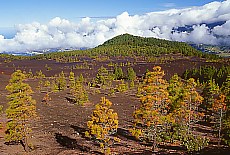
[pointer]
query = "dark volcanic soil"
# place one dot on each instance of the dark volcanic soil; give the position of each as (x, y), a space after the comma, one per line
(61, 125)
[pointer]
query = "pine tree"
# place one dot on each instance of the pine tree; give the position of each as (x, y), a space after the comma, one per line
(115, 72)
(131, 75)
(102, 76)
(79, 93)
(118, 73)
(103, 124)
(60, 82)
(226, 89)
(21, 109)
(40, 75)
(185, 101)
(219, 107)
(71, 80)
(190, 116)
(151, 120)
(176, 92)
(81, 78)
(30, 74)
(210, 90)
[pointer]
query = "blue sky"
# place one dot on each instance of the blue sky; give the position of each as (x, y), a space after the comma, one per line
(37, 25)
(13, 12)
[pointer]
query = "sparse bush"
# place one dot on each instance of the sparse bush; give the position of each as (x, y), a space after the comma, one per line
(40, 75)
(46, 98)
(194, 143)
(132, 84)
(122, 87)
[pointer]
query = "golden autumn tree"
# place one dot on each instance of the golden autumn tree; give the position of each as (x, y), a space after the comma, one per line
(103, 124)
(151, 120)
(20, 111)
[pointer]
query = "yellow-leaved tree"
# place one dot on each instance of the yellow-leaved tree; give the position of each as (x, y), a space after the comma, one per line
(103, 124)
(151, 120)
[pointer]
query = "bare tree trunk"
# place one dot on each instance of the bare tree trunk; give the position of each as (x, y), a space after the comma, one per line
(24, 141)
(155, 139)
(220, 126)
(189, 117)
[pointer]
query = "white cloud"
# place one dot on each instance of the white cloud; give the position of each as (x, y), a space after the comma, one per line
(62, 33)
(1, 37)
(223, 30)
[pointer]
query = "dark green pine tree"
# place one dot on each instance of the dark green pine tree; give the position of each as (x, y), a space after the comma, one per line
(60, 82)
(131, 75)
(210, 91)
(118, 73)
(226, 89)
(176, 92)
(20, 111)
(102, 76)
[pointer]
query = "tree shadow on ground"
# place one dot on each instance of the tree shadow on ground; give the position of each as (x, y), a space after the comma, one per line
(80, 130)
(70, 143)
(149, 152)
(141, 152)
(71, 100)
(172, 147)
(159, 152)
(126, 134)
(224, 150)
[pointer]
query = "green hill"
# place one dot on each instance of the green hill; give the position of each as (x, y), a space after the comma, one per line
(129, 45)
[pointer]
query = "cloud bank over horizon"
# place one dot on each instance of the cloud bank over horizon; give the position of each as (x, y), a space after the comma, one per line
(64, 34)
